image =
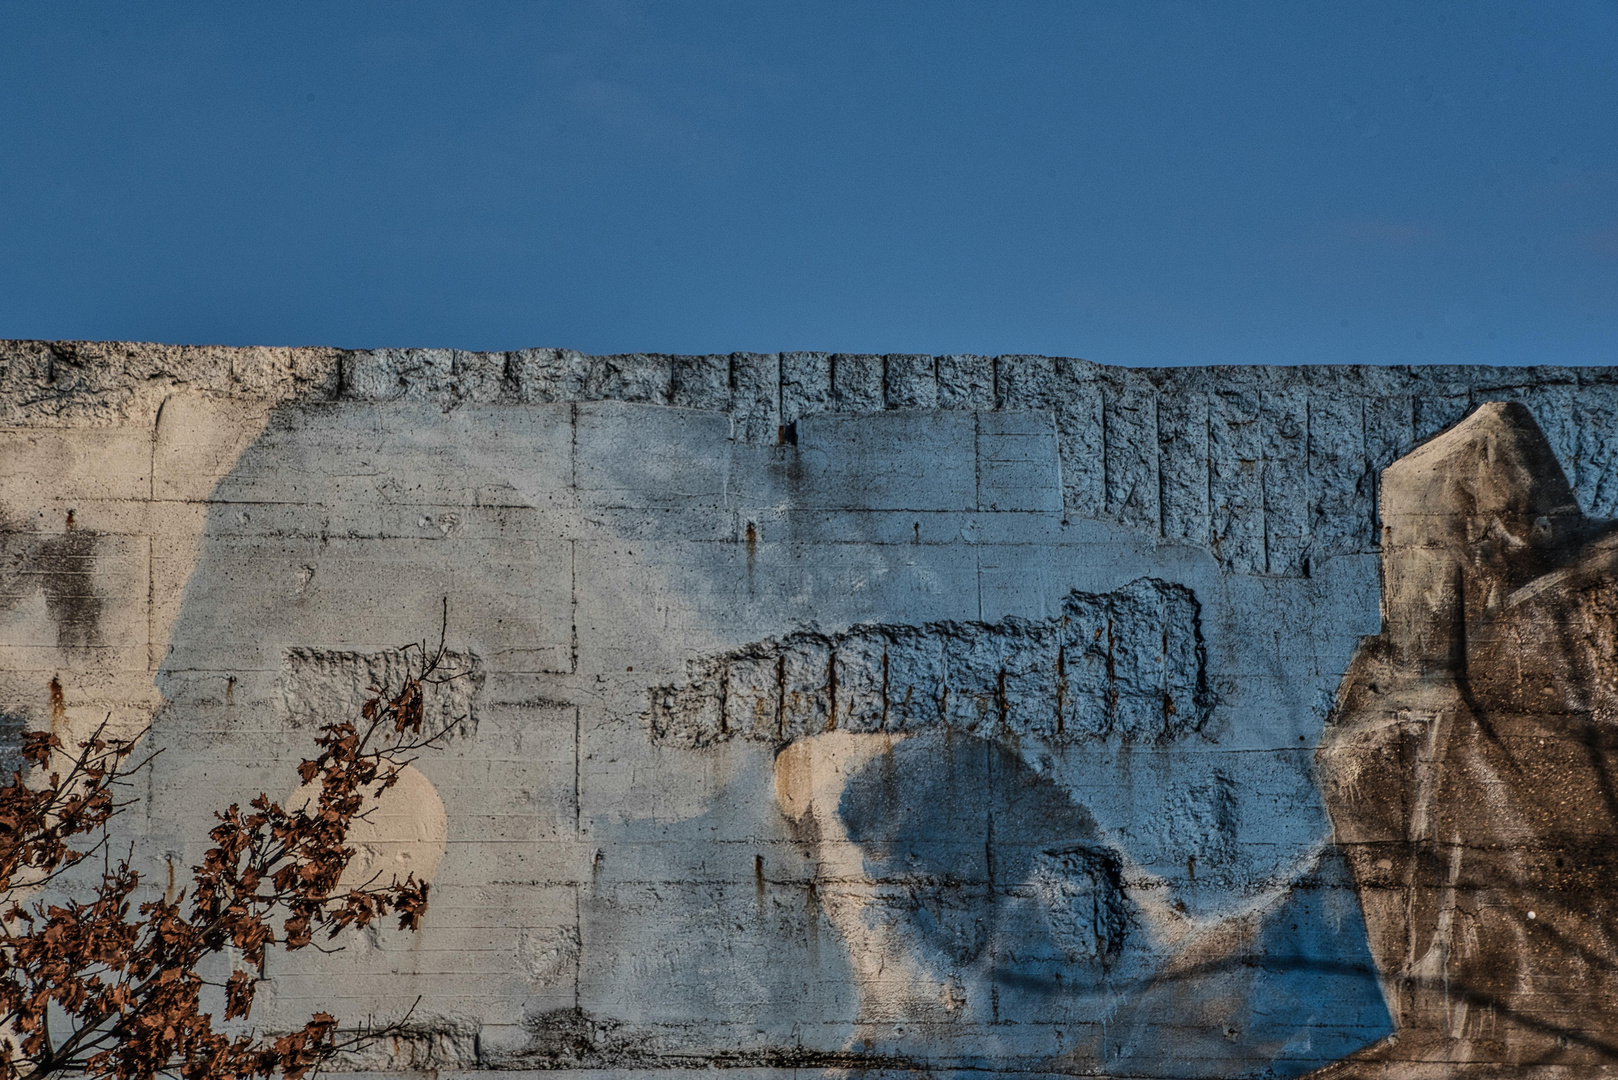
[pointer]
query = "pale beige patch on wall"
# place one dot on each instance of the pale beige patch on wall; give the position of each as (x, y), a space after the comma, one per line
(400, 833)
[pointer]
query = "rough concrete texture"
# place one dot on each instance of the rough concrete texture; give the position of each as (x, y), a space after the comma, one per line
(1271, 468)
(1128, 664)
(840, 712)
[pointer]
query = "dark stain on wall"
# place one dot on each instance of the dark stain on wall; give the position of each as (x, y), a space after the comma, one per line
(62, 567)
(578, 1039)
(11, 760)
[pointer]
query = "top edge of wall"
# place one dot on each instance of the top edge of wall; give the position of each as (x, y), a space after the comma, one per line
(1273, 469)
(100, 382)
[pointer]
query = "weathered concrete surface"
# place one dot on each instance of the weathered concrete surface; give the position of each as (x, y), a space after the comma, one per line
(1270, 467)
(1056, 643)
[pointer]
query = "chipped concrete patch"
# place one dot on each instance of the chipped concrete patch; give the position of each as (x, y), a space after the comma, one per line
(1128, 664)
(322, 686)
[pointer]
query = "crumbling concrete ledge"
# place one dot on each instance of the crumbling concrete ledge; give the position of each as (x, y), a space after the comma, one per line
(1273, 468)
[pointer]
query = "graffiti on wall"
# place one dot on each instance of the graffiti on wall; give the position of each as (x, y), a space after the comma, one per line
(968, 771)
(927, 769)
(1470, 770)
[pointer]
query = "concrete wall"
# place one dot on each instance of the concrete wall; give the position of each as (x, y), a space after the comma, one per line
(818, 711)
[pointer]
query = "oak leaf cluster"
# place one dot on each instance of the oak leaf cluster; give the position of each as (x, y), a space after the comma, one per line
(104, 978)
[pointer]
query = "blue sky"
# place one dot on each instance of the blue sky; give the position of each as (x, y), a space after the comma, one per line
(1134, 183)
